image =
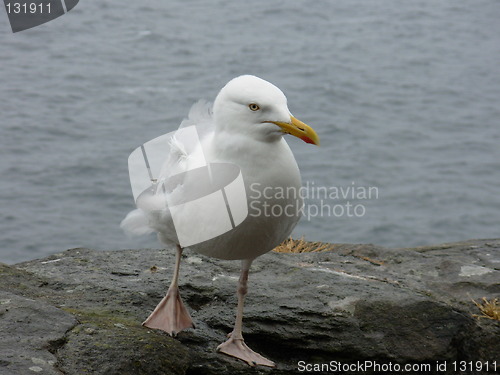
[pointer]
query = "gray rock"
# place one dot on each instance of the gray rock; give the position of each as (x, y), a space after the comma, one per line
(353, 304)
(31, 332)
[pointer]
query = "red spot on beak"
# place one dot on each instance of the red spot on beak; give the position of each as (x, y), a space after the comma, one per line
(307, 140)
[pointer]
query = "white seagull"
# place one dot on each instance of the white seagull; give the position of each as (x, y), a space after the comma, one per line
(246, 128)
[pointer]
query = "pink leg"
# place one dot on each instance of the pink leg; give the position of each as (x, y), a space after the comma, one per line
(235, 346)
(171, 315)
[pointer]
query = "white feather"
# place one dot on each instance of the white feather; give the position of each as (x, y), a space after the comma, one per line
(200, 115)
(136, 223)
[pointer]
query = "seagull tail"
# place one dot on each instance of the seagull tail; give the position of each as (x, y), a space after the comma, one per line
(136, 223)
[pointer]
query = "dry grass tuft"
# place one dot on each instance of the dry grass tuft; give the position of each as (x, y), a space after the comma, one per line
(489, 309)
(301, 246)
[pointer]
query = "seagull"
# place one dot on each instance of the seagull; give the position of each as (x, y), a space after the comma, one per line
(245, 127)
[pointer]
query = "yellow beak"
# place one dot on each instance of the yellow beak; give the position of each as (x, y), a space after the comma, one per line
(298, 129)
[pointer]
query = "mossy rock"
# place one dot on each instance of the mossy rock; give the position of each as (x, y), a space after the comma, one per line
(106, 342)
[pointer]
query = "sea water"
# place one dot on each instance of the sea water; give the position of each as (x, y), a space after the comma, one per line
(404, 96)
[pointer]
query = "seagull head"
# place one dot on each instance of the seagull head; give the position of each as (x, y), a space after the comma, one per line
(253, 107)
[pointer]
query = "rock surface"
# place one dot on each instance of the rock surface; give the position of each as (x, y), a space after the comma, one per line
(80, 311)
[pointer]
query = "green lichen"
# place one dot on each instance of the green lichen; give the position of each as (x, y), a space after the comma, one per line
(107, 336)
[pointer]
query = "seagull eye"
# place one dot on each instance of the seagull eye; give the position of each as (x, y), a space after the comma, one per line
(253, 107)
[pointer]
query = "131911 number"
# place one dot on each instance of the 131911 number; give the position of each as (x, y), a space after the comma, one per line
(25, 8)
